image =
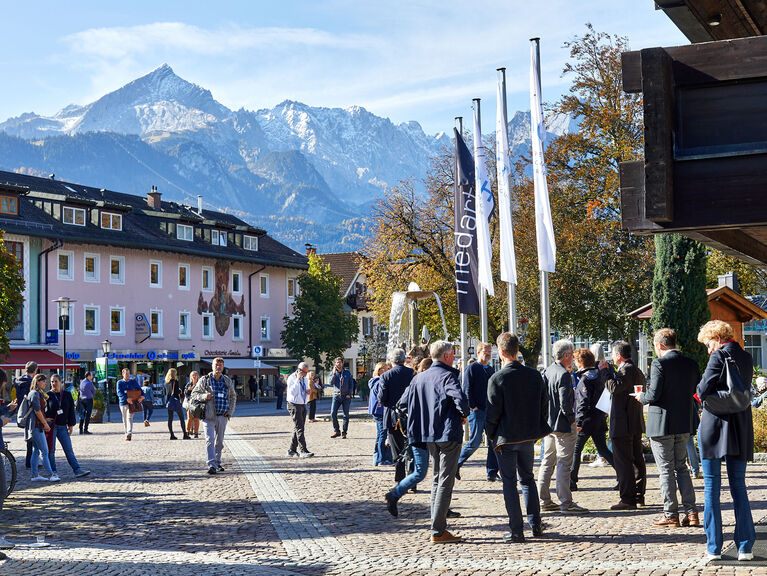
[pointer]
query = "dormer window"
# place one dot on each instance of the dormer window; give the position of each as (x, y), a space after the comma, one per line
(185, 232)
(250, 242)
(110, 221)
(9, 205)
(217, 238)
(73, 216)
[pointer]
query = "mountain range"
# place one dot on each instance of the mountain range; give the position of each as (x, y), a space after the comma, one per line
(305, 174)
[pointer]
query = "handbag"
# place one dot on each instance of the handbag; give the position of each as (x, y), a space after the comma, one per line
(173, 404)
(732, 395)
(197, 409)
(133, 401)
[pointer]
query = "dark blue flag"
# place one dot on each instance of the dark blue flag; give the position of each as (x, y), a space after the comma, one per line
(466, 274)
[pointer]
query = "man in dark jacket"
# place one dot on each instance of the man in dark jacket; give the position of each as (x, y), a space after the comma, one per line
(626, 427)
(21, 385)
(392, 385)
(670, 420)
(561, 442)
(343, 386)
(517, 416)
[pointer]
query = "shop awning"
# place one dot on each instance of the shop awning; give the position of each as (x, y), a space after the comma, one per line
(46, 360)
(241, 364)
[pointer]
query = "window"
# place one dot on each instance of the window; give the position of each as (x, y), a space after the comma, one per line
(236, 282)
(155, 323)
(236, 327)
(207, 279)
(367, 326)
(217, 238)
(185, 232)
(117, 321)
(264, 285)
(91, 319)
(74, 216)
(116, 270)
(91, 267)
(250, 242)
(265, 332)
(184, 330)
(183, 276)
(9, 205)
(155, 274)
(207, 326)
(69, 322)
(754, 347)
(111, 221)
(65, 265)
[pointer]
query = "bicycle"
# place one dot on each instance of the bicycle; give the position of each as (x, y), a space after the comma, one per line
(8, 474)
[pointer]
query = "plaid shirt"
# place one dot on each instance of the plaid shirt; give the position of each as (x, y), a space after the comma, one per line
(220, 395)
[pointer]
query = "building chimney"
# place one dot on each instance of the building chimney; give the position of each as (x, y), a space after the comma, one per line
(310, 250)
(730, 280)
(52, 176)
(153, 198)
(199, 204)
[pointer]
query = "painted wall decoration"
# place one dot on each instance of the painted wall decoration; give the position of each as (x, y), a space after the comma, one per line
(221, 304)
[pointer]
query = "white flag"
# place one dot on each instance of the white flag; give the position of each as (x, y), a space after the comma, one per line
(544, 228)
(485, 205)
(508, 258)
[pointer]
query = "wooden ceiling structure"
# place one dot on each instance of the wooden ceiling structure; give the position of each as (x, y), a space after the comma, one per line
(704, 172)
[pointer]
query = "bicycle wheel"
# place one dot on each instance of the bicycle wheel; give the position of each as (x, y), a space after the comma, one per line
(9, 468)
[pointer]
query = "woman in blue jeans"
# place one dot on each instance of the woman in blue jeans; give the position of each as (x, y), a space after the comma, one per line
(61, 410)
(375, 409)
(37, 426)
(729, 438)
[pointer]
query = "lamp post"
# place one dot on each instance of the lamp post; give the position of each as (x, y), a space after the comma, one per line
(106, 348)
(364, 351)
(63, 304)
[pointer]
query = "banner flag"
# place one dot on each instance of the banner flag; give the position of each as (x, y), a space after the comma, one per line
(508, 258)
(544, 228)
(465, 208)
(485, 205)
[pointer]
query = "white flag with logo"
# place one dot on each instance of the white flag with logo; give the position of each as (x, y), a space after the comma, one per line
(485, 205)
(508, 258)
(544, 228)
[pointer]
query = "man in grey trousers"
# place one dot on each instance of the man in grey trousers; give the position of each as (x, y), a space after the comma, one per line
(217, 391)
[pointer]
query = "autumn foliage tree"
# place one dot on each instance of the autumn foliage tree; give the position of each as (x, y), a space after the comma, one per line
(11, 295)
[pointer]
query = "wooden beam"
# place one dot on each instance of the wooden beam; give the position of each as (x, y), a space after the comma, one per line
(631, 69)
(735, 243)
(632, 198)
(719, 61)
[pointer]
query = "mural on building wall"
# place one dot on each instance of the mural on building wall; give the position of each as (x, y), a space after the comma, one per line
(221, 305)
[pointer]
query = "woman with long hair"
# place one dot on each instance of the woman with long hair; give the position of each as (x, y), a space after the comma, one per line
(37, 426)
(375, 409)
(173, 393)
(192, 423)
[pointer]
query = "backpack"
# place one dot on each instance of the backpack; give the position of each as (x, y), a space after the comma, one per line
(732, 395)
(25, 410)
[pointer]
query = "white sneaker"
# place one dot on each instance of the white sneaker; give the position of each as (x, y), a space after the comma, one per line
(5, 545)
(598, 462)
(54, 478)
(745, 556)
(38, 478)
(712, 557)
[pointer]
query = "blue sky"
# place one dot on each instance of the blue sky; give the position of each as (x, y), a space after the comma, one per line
(417, 60)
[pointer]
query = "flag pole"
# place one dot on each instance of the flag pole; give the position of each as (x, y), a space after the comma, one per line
(510, 287)
(464, 358)
(545, 309)
(483, 291)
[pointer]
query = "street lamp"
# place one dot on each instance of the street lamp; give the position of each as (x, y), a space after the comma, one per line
(106, 348)
(364, 351)
(63, 303)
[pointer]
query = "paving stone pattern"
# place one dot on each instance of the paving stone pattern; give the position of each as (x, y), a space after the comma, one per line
(149, 507)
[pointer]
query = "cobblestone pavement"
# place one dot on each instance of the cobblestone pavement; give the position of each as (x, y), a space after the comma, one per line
(149, 507)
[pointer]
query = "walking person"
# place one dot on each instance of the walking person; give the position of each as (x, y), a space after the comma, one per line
(128, 392)
(375, 409)
(216, 391)
(60, 409)
(626, 427)
(517, 416)
(670, 418)
(313, 388)
(279, 390)
(560, 444)
(173, 393)
(343, 386)
(148, 402)
(729, 438)
(252, 388)
(87, 392)
(22, 386)
(297, 387)
(37, 426)
(192, 423)
(393, 384)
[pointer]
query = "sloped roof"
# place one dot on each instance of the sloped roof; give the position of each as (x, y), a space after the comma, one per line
(343, 264)
(746, 308)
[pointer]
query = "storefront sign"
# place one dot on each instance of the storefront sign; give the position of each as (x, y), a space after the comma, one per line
(277, 352)
(51, 336)
(153, 355)
(143, 330)
(222, 353)
(104, 367)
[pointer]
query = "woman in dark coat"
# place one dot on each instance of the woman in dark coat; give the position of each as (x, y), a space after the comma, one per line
(174, 393)
(728, 437)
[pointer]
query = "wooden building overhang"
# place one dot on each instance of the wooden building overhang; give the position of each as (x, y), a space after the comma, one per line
(709, 20)
(738, 305)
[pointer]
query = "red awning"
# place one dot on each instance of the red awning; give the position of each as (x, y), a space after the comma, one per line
(46, 360)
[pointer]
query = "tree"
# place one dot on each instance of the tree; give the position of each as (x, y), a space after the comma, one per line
(679, 291)
(11, 295)
(320, 324)
(752, 280)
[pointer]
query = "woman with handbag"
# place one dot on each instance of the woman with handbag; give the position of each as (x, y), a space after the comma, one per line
(312, 393)
(173, 393)
(725, 433)
(192, 423)
(130, 398)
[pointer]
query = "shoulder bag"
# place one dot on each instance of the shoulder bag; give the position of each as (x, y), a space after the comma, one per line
(732, 395)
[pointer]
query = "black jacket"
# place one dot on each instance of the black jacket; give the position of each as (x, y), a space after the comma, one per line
(559, 384)
(22, 385)
(392, 385)
(673, 379)
(591, 384)
(626, 417)
(64, 401)
(517, 405)
(475, 379)
(733, 435)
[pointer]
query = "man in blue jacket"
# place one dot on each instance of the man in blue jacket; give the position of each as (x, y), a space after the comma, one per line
(437, 410)
(343, 385)
(393, 384)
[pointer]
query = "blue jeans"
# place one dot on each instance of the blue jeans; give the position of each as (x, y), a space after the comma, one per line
(491, 462)
(39, 448)
(692, 455)
(476, 427)
(421, 460)
(62, 434)
(712, 516)
(516, 462)
(379, 455)
(335, 404)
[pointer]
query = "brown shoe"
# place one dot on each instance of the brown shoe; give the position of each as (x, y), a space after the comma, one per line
(146, 423)
(690, 519)
(623, 506)
(127, 437)
(445, 538)
(664, 520)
